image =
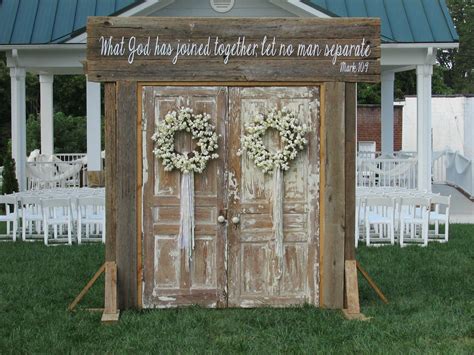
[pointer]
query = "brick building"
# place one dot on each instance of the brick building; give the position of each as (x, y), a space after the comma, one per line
(369, 126)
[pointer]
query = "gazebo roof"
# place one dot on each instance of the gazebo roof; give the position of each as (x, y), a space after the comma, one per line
(402, 21)
(52, 21)
(32, 22)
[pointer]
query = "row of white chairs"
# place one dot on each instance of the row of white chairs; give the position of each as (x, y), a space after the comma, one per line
(63, 214)
(387, 216)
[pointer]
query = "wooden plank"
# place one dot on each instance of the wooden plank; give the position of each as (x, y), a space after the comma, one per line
(350, 168)
(126, 178)
(139, 195)
(111, 312)
(86, 288)
(372, 284)
(332, 263)
(110, 169)
(233, 49)
(352, 288)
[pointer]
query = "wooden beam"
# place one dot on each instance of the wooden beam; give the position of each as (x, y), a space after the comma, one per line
(350, 169)
(350, 183)
(294, 58)
(333, 193)
(110, 170)
(111, 312)
(126, 188)
(86, 288)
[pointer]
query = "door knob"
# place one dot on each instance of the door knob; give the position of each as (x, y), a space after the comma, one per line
(235, 220)
(221, 219)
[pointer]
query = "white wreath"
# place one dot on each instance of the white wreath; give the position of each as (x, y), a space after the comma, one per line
(201, 130)
(291, 135)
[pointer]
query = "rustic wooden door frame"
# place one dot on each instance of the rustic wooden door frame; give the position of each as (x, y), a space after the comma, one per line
(124, 184)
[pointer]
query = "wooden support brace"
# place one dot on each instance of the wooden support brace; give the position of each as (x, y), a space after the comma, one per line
(111, 312)
(86, 288)
(372, 283)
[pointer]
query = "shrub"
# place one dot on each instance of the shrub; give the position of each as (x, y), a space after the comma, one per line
(10, 183)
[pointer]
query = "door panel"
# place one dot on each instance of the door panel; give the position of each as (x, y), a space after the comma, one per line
(255, 275)
(168, 281)
(232, 186)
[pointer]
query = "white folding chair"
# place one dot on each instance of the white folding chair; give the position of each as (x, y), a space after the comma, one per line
(57, 212)
(441, 204)
(414, 213)
(31, 216)
(359, 219)
(9, 214)
(91, 213)
(379, 213)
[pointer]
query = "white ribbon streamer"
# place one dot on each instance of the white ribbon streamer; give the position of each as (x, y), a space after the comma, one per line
(186, 222)
(278, 213)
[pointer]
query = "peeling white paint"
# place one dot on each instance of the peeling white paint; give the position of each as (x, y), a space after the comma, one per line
(166, 299)
(232, 187)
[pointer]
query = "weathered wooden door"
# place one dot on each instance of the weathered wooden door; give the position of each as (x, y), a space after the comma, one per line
(257, 276)
(168, 280)
(238, 256)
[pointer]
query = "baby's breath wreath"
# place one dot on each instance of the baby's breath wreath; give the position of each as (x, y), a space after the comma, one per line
(292, 138)
(188, 163)
(201, 130)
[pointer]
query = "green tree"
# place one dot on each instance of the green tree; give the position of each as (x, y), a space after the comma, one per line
(5, 125)
(70, 94)
(458, 63)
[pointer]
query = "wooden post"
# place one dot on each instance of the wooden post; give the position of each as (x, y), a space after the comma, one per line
(333, 194)
(350, 169)
(110, 169)
(111, 312)
(125, 183)
(351, 287)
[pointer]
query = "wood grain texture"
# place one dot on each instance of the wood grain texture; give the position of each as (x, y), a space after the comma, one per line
(125, 182)
(168, 279)
(350, 169)
(110, 294)
(352, 288)
(247, 68)
(110, 170)
(332, 263)
(139, 199)
(257, 277)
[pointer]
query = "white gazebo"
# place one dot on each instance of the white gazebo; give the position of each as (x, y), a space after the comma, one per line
(50, 39)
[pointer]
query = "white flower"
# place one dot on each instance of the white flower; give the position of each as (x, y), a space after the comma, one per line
(291, 137)
(201, 131)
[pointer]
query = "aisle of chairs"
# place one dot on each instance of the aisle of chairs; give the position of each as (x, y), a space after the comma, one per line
(390, 215)
(55, 216)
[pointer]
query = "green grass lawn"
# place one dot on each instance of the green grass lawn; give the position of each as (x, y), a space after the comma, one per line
(431, 310)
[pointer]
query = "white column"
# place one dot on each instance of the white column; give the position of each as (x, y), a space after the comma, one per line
(93, 127)
(424, 142)
(46, 113)
(18, 112)
(388, 78)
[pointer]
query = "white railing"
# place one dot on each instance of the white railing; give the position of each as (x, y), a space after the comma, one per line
(58, 170)
(394, 170)
(47, 175)
(454, 169)
(70, 156)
